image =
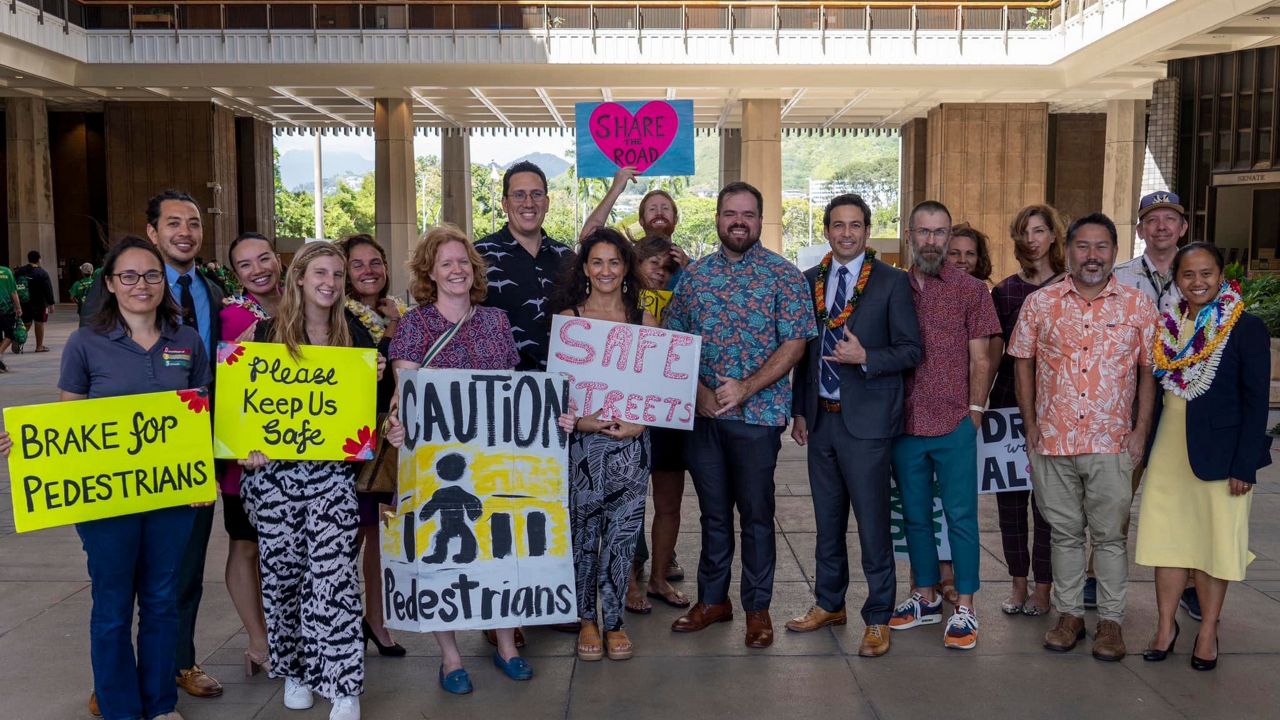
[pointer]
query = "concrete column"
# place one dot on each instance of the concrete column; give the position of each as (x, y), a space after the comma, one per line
(30, 184)
(762, 162)
(1160, 162)
(455, 180)
(913, 177)
(395, 193)
(730, 156)
(1122, 177)
(255, 177)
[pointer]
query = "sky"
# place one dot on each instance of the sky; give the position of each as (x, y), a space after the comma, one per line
(485, 149)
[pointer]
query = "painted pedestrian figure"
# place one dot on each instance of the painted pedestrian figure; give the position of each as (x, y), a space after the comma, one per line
(455, 506)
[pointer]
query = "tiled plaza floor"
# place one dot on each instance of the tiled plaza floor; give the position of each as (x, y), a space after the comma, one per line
(44, 639)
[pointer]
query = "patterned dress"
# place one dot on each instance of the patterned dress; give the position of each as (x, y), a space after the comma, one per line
(607, 483)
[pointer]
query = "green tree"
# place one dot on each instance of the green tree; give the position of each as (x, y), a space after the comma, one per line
(294, 215)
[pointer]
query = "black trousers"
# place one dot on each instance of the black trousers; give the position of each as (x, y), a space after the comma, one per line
(844, 471)
(732, 465)
(191, 587)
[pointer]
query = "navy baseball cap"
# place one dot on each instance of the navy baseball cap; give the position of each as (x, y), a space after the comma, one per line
(1157, 200)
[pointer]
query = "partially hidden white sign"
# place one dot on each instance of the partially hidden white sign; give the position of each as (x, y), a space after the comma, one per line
(640, 374)
(1002, 452)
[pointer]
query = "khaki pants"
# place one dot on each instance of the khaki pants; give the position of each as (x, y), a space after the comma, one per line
(1075, 491)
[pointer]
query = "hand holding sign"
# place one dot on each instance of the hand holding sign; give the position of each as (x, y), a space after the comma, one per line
(654, 137)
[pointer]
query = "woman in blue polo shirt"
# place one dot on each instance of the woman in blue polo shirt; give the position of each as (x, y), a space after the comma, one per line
(133, 345)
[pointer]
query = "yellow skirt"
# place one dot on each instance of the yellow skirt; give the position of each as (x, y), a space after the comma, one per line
(1186, 522)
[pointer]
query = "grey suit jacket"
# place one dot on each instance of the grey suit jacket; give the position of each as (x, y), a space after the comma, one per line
(884, 321)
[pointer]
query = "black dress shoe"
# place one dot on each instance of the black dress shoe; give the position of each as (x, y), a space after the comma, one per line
(1205, 665)
(395, 649)
(1154, 655)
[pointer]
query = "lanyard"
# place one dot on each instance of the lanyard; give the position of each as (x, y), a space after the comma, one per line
(1160, 288)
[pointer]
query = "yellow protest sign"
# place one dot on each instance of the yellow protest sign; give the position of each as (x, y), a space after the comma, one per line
(93, 459)
(319, 407)
(655, 302)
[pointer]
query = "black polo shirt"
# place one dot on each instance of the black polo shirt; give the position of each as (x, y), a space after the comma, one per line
(519, 284)
(111, 364)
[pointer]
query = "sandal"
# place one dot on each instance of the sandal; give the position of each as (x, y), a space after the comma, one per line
(1032, 609)
(619, 644)
(589, 648)
(1012, 605)
(635, 601)
(42, 349)
(674, 598)
(949, 593)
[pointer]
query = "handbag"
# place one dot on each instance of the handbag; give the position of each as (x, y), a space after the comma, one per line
(379, 474)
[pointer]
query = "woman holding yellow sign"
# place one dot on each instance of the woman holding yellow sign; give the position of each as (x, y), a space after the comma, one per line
(135, 344)
(450, 330)
(306, 516)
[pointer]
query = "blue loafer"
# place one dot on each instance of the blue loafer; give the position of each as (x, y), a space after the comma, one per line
(516, 668)
(456, 682)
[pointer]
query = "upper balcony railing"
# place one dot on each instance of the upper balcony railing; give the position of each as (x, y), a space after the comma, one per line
(521, 15)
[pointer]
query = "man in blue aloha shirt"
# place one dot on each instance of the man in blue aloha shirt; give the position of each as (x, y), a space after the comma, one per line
(754, 315)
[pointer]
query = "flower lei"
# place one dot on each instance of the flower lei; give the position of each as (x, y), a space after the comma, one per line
(1185, 366)
(371, 319)
(247, 302)
(820, 291)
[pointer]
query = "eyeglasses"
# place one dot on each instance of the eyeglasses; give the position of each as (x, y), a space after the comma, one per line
(521, 196)
(926, 233)
(128, 277)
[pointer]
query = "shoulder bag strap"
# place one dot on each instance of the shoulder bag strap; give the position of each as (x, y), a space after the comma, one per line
(443, 341)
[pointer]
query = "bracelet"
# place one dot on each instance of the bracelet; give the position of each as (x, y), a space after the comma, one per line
(977, 408)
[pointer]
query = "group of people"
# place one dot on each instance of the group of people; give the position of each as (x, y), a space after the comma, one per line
(26, 300)
(883, 374)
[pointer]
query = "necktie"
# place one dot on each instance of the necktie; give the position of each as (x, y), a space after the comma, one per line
(188, 302)
(830, 379)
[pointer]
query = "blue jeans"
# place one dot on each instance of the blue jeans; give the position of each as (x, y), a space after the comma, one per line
(135, 556)
(953, 458)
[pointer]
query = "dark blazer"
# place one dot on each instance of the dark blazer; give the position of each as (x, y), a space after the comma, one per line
(885, 323)
(1227, 425)
(94, 298)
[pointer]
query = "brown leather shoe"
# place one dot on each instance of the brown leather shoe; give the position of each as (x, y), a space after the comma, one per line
(701, 616)
(875, 641)
(1064, 636)
(816, 619)
(93, 704)
(759, 629)
(1108, 641)
(198, 683)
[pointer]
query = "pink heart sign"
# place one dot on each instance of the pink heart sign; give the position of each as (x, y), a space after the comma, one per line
(637, 140)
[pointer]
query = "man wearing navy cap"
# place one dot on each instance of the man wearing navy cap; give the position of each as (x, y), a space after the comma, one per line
(1162, 222)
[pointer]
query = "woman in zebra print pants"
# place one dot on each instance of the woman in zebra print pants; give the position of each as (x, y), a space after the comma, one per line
(307, 520)
(608, 458)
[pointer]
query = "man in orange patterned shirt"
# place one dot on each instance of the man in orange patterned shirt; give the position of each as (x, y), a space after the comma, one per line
(1082, 346)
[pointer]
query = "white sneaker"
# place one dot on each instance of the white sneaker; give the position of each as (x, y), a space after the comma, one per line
(346, 707)
(296, 695)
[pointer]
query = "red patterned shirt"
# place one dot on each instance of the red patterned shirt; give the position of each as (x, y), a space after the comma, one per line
(953, 308)
(484, 343)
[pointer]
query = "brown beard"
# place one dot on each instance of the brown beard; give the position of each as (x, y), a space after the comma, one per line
(728, 241)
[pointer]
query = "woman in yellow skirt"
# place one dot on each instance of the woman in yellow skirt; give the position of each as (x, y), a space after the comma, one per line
(1212, 360)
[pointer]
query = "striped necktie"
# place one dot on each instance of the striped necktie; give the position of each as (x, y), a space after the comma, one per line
(830, 378)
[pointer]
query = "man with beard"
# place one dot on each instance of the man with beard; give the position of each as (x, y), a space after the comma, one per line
(524, 263)
(750, 307)
(657, 215)
(945, 399)
(847, 406)
(1078, 346)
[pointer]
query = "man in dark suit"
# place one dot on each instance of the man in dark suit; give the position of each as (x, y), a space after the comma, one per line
(847, 408)
(174, 225)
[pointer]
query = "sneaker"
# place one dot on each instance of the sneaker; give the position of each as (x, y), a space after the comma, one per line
(1090, 593)
(298, 696)
(962, 630)
(1191, 603)
(346, 707)
(916, 611)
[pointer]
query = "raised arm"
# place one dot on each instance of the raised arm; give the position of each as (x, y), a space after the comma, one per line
(600, 216)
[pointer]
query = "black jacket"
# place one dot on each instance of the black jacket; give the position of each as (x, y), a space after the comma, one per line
(885, 323)
(1227, 425)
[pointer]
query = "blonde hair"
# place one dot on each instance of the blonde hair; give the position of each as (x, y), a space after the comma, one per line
(423, 261)
(290, 325)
